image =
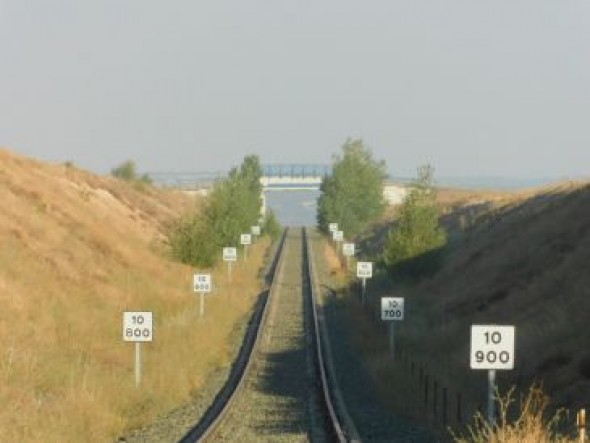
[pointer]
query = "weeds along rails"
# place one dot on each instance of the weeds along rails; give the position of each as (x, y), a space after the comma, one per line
(285, 391)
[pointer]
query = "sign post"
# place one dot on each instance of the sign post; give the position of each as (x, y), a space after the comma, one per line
(492, 348)
(364, 270)
(245, 240)
(333, 227)
(338, 237)
(202, 285)
(392, 310)
(230, 255)
(348, 251)
(138, 327)
(255, 230)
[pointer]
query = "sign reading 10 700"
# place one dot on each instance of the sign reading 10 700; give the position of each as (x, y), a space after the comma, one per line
(137, 326)
(492, 347)
(392, 308)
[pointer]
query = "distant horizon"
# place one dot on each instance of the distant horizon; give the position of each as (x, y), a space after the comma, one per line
(467, 181)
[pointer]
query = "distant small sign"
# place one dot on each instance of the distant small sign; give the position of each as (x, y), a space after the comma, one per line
(364, 269)
(138, 326)
(338, 235)
(245, 239)
(230, 254)
(255, 230)
(348, 249)
(333, 227)
(202, 283)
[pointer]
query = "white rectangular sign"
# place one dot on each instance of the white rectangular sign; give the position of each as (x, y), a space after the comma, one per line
(255, 230)
(245, 239)
(202, 283)
(348, 249)
(492, 347)
(230, 254)
(333, 227)
(392, 308)
(138, 326)
(338, 235)
(364, 269)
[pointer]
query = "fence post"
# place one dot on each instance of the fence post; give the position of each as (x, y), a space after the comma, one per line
(444, 406)
(581, 422)
(426, 394)
(434, 397)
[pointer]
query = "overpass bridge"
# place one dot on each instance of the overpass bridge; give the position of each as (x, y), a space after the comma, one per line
(288, 177)
(275, 177)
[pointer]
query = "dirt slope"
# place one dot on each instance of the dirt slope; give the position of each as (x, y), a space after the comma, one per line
(76, 250)
(522, 261)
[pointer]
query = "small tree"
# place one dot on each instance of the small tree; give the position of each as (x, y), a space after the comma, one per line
(412, 247)
(125, 171)
(352, 195)
(271, 226)
(232, 207)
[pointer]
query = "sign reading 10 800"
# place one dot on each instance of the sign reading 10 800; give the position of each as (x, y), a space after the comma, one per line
(492, 347)
(137, 326)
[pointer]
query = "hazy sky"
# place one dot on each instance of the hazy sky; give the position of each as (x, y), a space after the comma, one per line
(474, 87)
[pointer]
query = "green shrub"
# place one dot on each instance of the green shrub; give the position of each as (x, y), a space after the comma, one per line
(232, 208)
(352, 195)
(271, 226)
(125, 171)
(414, 245)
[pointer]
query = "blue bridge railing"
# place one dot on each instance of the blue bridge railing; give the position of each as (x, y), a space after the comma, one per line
(296, 170)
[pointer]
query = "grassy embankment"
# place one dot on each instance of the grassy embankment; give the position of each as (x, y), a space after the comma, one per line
(515, 259)
(76, 250)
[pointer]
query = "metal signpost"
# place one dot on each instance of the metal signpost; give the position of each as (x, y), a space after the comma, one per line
(364, 270)
(245, 240)
(138, 327)
(202, 285)
(338, 237)
(492, 348)
(392, 309)
(348, 251)
(230, 255)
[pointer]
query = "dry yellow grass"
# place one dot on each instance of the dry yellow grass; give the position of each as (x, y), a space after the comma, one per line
(76, 251)
(532, 424)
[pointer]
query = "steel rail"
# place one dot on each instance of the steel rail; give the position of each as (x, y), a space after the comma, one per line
(222, 403)
(338, 422)
(343, 427)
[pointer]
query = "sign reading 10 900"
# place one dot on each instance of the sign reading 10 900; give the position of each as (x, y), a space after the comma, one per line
(492, 347)
(137, 326)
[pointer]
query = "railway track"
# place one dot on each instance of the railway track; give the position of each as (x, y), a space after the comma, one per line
(283, 389)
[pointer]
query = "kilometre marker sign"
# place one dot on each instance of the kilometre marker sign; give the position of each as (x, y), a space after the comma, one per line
(230, 254)
(202, 283)
(348, 249)
(364, 269)
(392, 308)
(138, 326)
(492, 347)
